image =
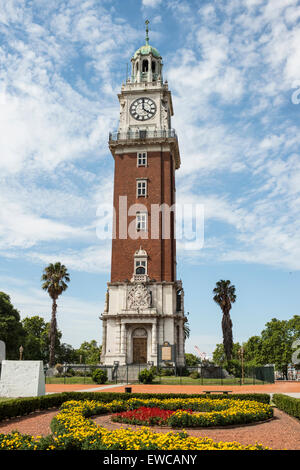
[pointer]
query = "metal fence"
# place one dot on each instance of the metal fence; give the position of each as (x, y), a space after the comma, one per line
(167, 375)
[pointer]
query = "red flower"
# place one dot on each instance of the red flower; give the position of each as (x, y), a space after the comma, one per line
(145, 416)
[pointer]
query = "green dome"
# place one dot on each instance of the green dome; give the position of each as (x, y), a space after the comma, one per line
(147, 49)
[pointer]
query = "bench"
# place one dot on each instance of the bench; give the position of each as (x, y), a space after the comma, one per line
(225, 392)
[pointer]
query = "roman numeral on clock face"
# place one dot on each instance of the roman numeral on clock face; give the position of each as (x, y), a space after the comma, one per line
(143, 109)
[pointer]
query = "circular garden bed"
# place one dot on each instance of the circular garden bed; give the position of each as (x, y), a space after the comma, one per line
(194, 412)
(72, 428)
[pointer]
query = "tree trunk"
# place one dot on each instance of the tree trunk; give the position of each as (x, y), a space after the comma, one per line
(227, 335)
(52, 334)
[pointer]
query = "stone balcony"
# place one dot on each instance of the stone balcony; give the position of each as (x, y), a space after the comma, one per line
(143, 135)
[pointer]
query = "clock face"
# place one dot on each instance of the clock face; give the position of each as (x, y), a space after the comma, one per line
(143, 109)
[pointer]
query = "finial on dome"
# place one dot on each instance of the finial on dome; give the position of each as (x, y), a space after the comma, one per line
(147, 32)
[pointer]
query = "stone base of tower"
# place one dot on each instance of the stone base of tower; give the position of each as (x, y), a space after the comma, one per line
(143, 323)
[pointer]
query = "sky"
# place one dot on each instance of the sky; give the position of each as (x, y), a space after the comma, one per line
(233, 68)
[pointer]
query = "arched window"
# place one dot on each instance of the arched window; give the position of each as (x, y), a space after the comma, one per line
(140, 264)
(178, 300)
(140, 267)
(145, 65)
(153, 66)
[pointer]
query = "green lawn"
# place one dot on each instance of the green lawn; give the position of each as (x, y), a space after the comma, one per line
(71, 380)
(164, 380)
(171, 380)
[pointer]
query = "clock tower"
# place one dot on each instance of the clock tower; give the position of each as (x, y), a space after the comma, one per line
(143, 319)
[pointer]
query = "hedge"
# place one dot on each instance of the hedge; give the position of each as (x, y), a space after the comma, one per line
(23, 406)
(288, 404)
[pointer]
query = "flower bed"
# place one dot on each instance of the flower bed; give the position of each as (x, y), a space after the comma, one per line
(195, 412)
(145, 416)
(73, 430)
(22, 406)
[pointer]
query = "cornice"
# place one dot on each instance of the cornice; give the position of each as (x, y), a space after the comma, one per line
(115, 145)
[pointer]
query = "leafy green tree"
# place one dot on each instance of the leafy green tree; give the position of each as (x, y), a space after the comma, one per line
(191, 360)
(273, 346)
(219, 357)
(67, 354)
(277, 339)
(252, 350)
(224, 296)
(55, 278)
(37, 338)
(294, 326)
(11, 329)
(90, 352)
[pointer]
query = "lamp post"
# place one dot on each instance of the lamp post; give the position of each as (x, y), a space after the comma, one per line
(242, 361)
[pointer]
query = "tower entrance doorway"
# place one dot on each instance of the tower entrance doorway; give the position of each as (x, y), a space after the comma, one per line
(139, 346)
(139, 350)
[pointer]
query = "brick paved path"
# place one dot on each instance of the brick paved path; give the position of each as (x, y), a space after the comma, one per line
(278, 387)
(283, 432)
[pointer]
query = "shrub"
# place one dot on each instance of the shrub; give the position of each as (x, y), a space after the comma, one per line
(288, 404)
(167, 372)
(154, 370)
(194, 375)
(146, 376)
(59, 368)
(99, 376)
(234, 367)
(183, 371)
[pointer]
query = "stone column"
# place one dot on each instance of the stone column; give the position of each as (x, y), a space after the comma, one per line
(123, 338)
(104, 332)
(140, 71)
(182, 301)
(154, 338)
(118, 337)
(181, 338)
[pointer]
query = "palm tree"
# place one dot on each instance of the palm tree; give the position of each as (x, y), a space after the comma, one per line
(224, 297)
(186, 330)
(55, 278)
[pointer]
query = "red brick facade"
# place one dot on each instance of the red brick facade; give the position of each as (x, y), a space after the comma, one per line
(160, 176)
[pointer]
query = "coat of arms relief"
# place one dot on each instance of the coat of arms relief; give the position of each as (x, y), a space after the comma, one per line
(138, 297)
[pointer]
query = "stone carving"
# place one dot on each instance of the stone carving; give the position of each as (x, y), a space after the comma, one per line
(138, 297)
(139, 333)
(164, 114)
(122, 115)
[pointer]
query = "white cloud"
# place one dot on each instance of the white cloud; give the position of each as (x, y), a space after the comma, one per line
(22, 229)
(77, 318)
(151, 3)
(92, 259)
(57, 82)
